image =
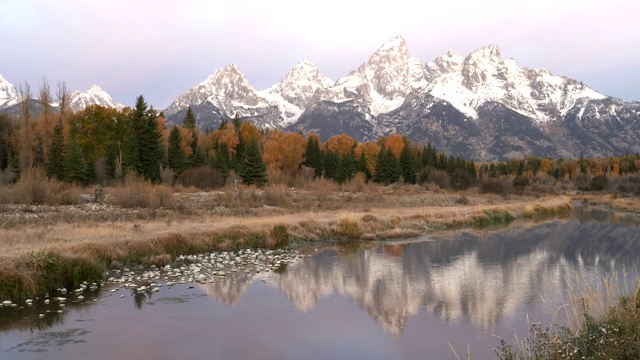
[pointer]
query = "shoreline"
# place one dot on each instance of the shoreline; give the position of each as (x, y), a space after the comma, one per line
(49, 255)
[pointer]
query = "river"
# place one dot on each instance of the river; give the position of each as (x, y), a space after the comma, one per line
(408, 299)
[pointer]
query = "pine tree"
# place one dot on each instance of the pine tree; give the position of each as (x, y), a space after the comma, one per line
(74, 167)
(387, 168)
(111, 160)
(190, 120)
(221, 161)
(143, 151)
(175, 153)
(362, 167)
(197, 158)
(408, 165)
(313, 155)
(56, 155)
(330, 164)
(14, 165)
(237, 122)
(151, 150)
(90, 173)
(346, 168)
(252, 169)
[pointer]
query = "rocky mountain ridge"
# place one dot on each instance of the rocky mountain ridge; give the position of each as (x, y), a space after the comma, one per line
(480, 106)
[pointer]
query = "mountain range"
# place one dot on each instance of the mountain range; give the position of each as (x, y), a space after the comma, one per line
(480, 106)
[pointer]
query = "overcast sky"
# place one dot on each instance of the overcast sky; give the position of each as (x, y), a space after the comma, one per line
(162, 48)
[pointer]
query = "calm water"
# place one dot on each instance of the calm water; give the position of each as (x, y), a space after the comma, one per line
(400, 300)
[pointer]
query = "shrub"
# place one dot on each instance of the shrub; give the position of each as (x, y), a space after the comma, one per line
(520, 182)
(35, 188)
(460, 179)
(599, 182)
(278, 237)
(202, 177)
(583, 183)
(134, 192)
(494, 186)
(349, 227)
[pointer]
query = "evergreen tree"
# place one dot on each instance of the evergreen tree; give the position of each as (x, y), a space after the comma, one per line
(408, 165)
(90, 173)
(347, 168)
(387, 168)
(152, 152)
(14, 165)
(175, 153)
(56, 155)
(111, 160)
(197, 158)
(331, 160)
(253, 170)
(471, 169)
(313, 155)
(362, 167)
(132, 147)
(237, 121)
(190, 120)
(74, 167)
(143, 150)
(221, 160)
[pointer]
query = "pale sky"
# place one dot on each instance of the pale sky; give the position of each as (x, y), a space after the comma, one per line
(160, 49)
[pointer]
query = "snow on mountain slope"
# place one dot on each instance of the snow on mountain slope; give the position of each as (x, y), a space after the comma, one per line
(485, 76)
(8, 93)
(226, 89)
(384, 81)
(94, 96)
(294, 92)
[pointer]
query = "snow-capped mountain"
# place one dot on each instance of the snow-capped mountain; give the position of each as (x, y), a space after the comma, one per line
(294, 92)
(383, 82)
(227, 92)
(485, 76)
(481, 106)
(8, 93)
(94, 96)
(221, 96)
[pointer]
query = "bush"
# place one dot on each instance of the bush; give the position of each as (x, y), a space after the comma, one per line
(202, 177)
(134, 192)
(278, 237)
(599, 182)
(349, 227)
(583, 183)
(35, 188)
(461, 180)
(520, 182)
(494, 186)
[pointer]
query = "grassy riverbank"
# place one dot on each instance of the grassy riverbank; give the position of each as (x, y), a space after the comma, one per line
(46, 247)
(597, 321)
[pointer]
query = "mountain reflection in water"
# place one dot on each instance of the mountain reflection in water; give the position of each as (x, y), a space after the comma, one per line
(485, 278)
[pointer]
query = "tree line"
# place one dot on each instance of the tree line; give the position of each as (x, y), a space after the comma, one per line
(101, 144)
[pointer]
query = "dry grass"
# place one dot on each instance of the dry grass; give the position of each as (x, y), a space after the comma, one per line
(598, 320)
(142, 223)
(34, 188)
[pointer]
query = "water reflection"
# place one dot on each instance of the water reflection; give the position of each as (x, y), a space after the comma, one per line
(475, 280)
(485, 278)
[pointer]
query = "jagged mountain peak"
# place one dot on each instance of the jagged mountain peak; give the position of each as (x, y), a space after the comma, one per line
(384, 81)
(487, 51)
(95, 95)
(396, 43)
(227, 80)
(301, 83)
(8, 93)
